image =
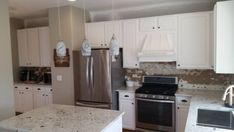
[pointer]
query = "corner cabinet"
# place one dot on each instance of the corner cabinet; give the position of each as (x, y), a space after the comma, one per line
(130, 45)
(34, 47)
(194, 39)
(224, 37)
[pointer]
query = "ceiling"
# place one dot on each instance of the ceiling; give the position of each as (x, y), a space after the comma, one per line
(39, 8)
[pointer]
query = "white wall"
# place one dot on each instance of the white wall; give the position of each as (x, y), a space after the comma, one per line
(6, 75)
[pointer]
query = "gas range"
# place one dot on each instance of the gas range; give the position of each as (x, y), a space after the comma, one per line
(158, 87)
(155, 103)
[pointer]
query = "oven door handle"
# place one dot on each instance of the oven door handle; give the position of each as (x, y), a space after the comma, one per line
(160, 101)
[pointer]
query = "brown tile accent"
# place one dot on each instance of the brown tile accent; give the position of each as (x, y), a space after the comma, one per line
(207, 77)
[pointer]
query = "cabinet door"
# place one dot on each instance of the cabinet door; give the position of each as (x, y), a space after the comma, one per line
(130, 46)
(22, 47)
(39, 99)
(33, 47)
(194, 41)
(224, 37)
(27, 100)
(128, 106)
(45, 49)
(181, 118)
(49, 99)
(18, 101)
(113, 28)
(148, 24)
(167, 22)
(95, 34)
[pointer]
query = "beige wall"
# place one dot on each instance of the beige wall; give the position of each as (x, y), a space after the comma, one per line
(6, 75)
(72, 27)
(15, 24)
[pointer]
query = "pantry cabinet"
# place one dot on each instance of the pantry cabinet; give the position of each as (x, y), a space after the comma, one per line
(224, 37)
(194, 41)
(127, 105)
(130, 45)
(34, 47)
(29, 97)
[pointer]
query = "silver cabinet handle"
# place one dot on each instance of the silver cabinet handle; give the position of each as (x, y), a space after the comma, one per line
(160, 101)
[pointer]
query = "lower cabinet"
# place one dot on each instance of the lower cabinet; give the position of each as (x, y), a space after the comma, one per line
(182, 109)
(31, 97)
(127, 105)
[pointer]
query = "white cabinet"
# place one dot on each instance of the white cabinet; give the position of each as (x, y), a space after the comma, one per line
(182, 109)
(158, 39)
(28, 97)
(194, 41)
(130, 45)
(111, 28)
(42, 96)
(23, 99)
(224, 37)
(45, 49)
(34, 47)
(95, 33)
(23, 47)
(127, 105)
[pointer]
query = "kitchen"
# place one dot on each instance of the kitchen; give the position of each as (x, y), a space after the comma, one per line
(158, 65)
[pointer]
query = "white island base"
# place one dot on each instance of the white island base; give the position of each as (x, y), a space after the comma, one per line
(64, 118)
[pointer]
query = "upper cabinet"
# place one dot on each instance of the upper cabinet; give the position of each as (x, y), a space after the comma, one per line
(34, 47)
(158, 39)
(95, 33)
(130, 45)
(194, 41)
(115, 28)
(45, 47)
(224, 37)
(99, 34)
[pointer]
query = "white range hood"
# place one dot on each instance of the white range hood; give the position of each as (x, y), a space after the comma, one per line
(157, 47)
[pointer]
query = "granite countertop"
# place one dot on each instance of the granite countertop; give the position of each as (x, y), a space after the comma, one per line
(205, 99)
(62, 118)
(127, 89)
(32, 84)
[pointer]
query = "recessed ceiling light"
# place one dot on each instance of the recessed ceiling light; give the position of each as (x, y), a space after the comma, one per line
(71, 0)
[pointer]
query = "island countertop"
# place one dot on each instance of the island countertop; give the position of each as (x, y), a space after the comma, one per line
(204, 99)
(62, 118)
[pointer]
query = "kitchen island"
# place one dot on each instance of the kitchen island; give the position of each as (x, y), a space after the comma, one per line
(203, 99)
(64, 118)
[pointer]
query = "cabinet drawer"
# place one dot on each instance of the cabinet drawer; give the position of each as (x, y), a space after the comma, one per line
(183, 100)
(125, 95)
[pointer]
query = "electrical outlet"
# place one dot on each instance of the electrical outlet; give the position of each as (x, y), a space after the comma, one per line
(59, 78)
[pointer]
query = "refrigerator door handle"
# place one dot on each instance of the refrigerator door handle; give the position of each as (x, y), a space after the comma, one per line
(91, 73)
(87, 71)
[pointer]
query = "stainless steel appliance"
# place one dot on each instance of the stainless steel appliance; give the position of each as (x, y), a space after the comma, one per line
(96, 78)
(155, 103)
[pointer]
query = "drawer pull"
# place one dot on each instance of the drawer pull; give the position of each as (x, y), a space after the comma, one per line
(185, 101)
(38, 89)
(16, 87)
(26, 88)
(126, 95)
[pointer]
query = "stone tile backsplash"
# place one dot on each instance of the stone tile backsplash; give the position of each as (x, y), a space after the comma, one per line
(206, 77)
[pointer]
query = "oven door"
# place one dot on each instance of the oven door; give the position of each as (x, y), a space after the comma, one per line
(155, 114)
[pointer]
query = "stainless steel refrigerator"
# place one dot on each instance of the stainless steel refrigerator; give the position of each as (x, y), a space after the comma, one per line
(96, 78)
